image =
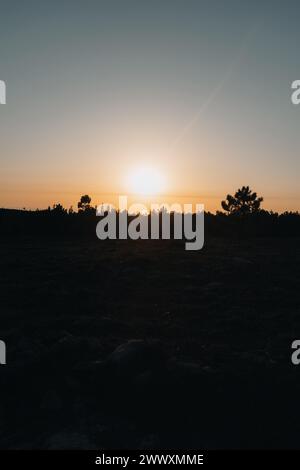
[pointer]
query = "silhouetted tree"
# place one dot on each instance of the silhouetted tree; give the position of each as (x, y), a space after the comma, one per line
(58, 209)
(243, 202)
(84, 203)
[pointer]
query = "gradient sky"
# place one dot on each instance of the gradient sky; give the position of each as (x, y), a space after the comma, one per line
(199, 90)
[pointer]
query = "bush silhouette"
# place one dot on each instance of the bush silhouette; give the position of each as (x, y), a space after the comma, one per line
(243, 202)
(58, 209)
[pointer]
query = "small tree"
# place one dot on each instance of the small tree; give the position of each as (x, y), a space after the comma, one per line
(243, 202)
(58, 209)
(84, 203)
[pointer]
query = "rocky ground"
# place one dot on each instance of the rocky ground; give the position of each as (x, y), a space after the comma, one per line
(124, 344)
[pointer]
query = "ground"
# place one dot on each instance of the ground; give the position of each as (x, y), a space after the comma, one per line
(141, 344)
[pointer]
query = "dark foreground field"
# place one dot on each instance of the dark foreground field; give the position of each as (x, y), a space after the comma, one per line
(123, 344)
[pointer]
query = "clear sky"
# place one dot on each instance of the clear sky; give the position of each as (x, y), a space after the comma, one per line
(198, 90)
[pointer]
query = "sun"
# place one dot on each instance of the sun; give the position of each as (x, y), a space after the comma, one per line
(146, 181)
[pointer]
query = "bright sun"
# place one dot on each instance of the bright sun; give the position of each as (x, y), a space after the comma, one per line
(145, 181)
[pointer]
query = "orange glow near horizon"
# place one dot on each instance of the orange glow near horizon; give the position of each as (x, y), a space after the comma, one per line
(41, 198)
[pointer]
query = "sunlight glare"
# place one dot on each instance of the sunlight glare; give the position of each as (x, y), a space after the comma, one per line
(146, 181)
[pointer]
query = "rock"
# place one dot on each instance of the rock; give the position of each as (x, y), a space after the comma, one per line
(67, 345)
(150, 441)
(51, 401)
(213, 285)
(71, 350)
(185, 369)
(68, 441)
(241, 261)
(91, 373)
(136, 356)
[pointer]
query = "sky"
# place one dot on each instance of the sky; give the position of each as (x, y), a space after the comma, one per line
(197, 90)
